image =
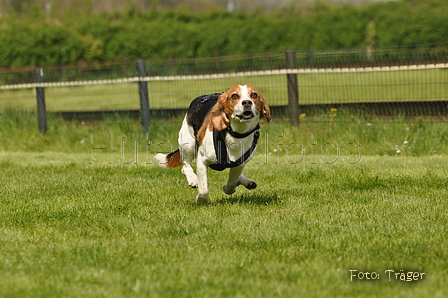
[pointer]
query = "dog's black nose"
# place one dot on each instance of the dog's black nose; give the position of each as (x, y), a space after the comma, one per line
(246, 103)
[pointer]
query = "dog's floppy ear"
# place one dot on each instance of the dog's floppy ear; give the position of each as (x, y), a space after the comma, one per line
(265, 110)
(220, 120)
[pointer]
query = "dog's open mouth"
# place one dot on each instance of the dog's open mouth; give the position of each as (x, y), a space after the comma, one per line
(247, 115)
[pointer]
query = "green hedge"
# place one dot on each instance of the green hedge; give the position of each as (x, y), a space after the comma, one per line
(158, 35)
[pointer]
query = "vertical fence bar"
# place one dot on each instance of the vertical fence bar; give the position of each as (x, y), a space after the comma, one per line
(218, 62)
(40, 97)
(143, 93)
(293, 88)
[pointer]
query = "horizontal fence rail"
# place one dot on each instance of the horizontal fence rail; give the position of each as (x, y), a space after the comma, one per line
(409, 81)
(227, 75)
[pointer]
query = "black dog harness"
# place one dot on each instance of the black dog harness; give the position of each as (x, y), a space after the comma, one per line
(221, 148)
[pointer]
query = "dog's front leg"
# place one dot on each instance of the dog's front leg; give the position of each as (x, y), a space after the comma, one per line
(237, 178)
(203, 197)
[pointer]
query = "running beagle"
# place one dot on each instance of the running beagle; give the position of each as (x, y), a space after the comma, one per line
(221, 131)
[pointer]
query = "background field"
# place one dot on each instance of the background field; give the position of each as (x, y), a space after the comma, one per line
(83, 222)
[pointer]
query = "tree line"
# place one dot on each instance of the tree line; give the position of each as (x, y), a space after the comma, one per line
(36, 39)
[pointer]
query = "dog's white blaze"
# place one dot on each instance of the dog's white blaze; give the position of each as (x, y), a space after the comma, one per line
(244, 90)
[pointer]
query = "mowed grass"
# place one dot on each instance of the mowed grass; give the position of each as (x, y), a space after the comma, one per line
(86, 213)
(313, 88)
(72, 228)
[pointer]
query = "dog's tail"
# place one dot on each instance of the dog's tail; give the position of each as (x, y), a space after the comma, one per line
(169, 160)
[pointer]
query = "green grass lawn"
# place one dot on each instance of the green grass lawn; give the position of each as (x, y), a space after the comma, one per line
(73, 227)
(370, 195)
(313, 88)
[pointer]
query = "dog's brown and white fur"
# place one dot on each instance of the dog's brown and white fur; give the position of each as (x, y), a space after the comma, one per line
(239, 109)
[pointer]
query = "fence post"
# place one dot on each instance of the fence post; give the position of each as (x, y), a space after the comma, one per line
(40, 97)
(293, 88)
(143, 93)
(218, 62)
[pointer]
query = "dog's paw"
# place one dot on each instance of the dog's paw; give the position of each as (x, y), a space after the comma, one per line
(251, 185)
(193, 183)
(203, 199)
(192, 178)
(228, 190)
(246, 182)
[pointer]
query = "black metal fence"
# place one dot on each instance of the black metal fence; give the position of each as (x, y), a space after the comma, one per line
(407, 80)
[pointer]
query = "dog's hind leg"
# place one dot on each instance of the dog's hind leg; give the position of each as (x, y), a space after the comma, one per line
(203, 197)
(188, 155)
(187, 148)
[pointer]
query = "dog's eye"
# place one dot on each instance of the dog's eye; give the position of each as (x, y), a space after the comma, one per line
(254, 95)
(235, 96)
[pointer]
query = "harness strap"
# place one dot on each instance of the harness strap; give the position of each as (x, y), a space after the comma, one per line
(241, 135)
(221, 149)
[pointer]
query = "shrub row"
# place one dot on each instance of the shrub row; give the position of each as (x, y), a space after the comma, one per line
(180, 34)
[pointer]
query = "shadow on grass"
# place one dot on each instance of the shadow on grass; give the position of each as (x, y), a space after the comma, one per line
(250, 198)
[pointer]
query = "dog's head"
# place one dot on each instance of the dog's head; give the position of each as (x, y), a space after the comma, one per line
(240, 103)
